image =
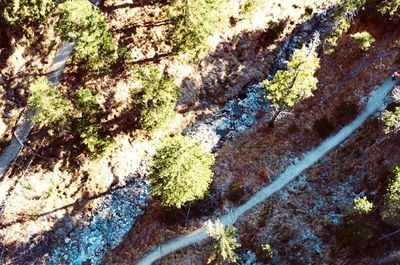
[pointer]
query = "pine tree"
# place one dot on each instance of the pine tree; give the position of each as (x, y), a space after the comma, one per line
(297, 83)
(52, 109)
(155, 98)
(225, 243)
(22, 14)
(83, 24)
(181, 172)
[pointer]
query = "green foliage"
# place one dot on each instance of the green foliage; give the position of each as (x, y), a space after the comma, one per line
(391, 120)
(194, 22)
(22, 14)
(362, 205)
(267, 251)
(154, 99)
(389, 7)
(89, 124)
(181, 172)
(82, 23)
(323, 127)
(236, 191)
(342, 25)
(52, 110)
(343, 21)
(391, 207)
(364, 38)
(225, 243)
(289, 87)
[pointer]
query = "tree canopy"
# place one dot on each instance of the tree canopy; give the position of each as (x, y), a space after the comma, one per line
(391, 119)
(225, 243)
(181, 172)
(194, 22)
(83, 24)
(22, 14)
(391, 207)
(52, 109)
(155, 98)
(297, 83)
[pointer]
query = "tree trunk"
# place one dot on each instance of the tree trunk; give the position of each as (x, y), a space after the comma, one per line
(271, 123)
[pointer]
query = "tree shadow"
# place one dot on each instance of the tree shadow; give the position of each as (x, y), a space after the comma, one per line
(134, 4)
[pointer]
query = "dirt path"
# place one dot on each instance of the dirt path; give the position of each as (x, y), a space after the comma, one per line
(375, 102)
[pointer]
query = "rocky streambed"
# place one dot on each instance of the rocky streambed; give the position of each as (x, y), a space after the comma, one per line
(101, 230)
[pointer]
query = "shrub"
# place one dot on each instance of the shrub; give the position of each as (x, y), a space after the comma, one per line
(364, 38)
(389, 7)
(391, 119)
(236, 191)
(225, 243)
(83, 24)
(52, 110)
(267, 251)
(323, 127)
(22, 14)
(391, 207)
(154, 99)
(362, 205)
(309, 10)
(89, 124)
(354, 235)
(180, 172)
(293, 128)
(346, 111)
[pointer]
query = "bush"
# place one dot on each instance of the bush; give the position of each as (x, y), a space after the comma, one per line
(89, 124)
(293, 128)
(52, 110)
(362, 205)
(83, 24)
(391, 119)
(391, 207)
(364, 38)
(236, 191)
(180, 172)
(22, 14)
(354, 235)
(346, 111)
(323, 127)
(154, 99)
(389, 7)
(267, 251)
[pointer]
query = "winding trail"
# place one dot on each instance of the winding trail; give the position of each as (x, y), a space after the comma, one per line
(375, 102)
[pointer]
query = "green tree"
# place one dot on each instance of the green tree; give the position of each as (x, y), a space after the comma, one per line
(297, 83)
(52, 110)
(90, 122)
(194, 22)
(181, 172)
(391, 208)
(225, 243)
(155, 98)
(22, 14)
(83, 24)
(364, 38)
(389, 7)
(391, 120)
